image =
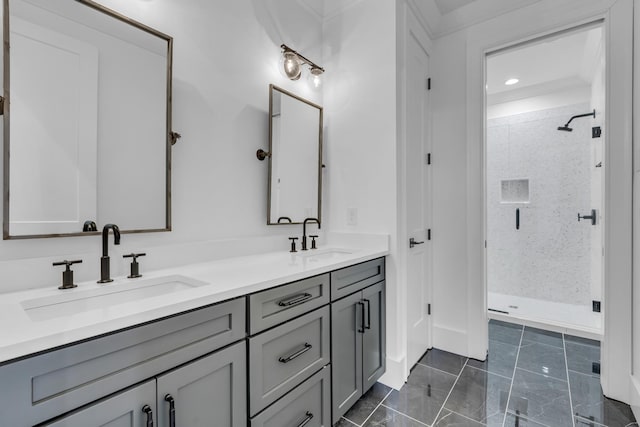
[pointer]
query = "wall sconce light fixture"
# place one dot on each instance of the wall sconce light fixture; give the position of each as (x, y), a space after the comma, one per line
(292, 66)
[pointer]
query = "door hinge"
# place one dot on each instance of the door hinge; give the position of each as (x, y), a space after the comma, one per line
(429, 234)
(428, 158)
(428, 83)
(429, 309)
(596, 132)
(485, 244)
(596, 306)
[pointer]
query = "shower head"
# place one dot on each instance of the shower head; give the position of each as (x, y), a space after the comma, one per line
(566, 127)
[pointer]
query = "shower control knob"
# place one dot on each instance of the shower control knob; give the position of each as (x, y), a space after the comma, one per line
(591, 217)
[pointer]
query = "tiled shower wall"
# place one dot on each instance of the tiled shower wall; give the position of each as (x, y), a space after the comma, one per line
(549, 257)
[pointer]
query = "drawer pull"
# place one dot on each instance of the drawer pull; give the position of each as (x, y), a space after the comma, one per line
(294, 300)
(308, 418)
(297, 354)
(172, 410)
(147, 410)
(368, 326)
(361, 328)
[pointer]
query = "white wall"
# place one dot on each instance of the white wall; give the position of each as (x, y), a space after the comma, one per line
(360, 106)
(225, 56)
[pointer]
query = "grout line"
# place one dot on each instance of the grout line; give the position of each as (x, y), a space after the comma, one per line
(506, 409)
(566, 364)
(492, 373)
(439, 370)
(450, 391)
(466, 418)
(525, 418)
(349, 421)
(377, 406)
(545, 375)
(591, 422)
(405, 415)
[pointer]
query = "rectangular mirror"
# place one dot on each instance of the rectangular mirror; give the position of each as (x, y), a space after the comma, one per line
(295, 163)
(87, 120)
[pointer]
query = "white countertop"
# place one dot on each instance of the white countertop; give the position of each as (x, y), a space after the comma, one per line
(223, 279)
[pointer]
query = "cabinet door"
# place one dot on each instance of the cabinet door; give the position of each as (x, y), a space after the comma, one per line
(373, 340)
(121, 410)
(211, 391)
(346, 352)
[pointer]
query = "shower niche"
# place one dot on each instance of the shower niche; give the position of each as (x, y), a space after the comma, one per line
(514, 191)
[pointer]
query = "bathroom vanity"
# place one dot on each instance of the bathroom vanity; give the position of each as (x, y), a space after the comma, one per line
(295, 347)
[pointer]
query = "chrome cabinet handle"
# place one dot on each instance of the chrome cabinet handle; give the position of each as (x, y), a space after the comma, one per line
(308, 418)
(368, 326)
(303, 350)
(147, 410)
(172, 410)
(294, 300)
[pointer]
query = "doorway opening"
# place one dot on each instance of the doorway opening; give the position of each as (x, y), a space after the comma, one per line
(545, 111)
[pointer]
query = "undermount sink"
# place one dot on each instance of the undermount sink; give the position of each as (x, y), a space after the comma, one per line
(78, 300)
(323, 254)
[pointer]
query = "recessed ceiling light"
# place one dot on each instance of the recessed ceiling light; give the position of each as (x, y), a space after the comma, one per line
(511, 82)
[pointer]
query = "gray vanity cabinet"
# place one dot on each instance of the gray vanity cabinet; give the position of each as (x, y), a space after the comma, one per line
(357, 345)
(125, 409)
(207, 392)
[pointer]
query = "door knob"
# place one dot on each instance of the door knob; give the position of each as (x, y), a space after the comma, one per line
(412, 242)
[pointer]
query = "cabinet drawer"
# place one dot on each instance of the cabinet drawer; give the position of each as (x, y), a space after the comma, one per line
(309, 401)
(56, 382)
(274, 306)
(283, 357)
(352, 279)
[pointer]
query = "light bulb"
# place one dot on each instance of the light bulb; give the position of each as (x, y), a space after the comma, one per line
(291, 65)
(315, 77)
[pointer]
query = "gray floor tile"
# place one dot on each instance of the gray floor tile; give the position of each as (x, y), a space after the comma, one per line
(344, 423)
(508, 333)
(367, 403)
(479, 395)
(543, 337)
(451, 419)
(423, 394)
(589, 402)
(385, 417)
(501, 359)
(581, 358)
(541, 398)
(543, 359)
(518, 421)
(580, 340)
(443, 360)
(582, 422)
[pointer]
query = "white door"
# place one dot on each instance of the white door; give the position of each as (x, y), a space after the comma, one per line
(418, 200)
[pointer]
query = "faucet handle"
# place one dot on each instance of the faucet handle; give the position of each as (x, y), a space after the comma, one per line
(293, 244)
(67, 274)
(313, 241)
(135, 267)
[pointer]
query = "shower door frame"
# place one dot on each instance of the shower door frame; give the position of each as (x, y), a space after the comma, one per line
(540, 322)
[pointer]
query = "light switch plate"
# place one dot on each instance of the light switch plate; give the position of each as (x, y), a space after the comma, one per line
(352, 216)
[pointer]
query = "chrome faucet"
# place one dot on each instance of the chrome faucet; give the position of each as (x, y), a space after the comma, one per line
(304, 231)
(105, 274)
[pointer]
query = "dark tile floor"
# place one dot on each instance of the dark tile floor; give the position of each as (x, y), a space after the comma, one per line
(532, 378)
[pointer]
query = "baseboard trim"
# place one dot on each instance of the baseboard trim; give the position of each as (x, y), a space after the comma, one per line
(451, 340)
(635, 396)
(395, 376)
